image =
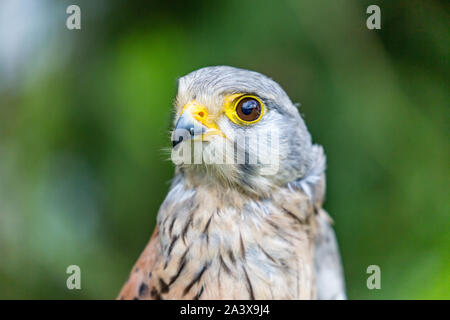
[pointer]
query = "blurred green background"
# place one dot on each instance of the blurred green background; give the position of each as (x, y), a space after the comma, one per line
(84, 120)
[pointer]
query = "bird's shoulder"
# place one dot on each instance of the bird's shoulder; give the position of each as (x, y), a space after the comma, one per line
(137, 285)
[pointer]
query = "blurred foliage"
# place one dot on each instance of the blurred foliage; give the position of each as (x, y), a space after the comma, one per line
(84, 122)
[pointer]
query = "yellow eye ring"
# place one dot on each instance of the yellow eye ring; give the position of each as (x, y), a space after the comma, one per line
(244, 109)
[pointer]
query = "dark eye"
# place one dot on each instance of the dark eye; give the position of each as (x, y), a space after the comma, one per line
(248, 109)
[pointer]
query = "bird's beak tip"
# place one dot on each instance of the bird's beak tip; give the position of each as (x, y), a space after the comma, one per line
(192, 122)
(186, 128)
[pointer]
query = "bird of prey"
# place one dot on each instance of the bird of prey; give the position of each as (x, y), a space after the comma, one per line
(247, 222)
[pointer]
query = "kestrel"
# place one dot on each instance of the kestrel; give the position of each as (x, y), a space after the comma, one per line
(243, 218)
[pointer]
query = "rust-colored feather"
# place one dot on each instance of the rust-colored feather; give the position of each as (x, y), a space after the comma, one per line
(138, 284)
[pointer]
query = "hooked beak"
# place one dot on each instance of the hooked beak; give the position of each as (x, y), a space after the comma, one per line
(194, 122)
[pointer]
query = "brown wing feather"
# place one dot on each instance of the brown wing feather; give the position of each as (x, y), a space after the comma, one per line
(137, 286)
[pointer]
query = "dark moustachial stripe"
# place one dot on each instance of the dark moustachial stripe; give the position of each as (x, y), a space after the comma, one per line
(196, 279)
(247, 171)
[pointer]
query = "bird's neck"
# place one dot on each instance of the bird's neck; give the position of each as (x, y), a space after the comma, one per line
(235, 236)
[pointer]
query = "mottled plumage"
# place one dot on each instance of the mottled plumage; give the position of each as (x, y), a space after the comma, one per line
(228, 231)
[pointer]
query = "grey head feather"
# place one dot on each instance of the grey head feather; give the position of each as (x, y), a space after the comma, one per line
(210, 85)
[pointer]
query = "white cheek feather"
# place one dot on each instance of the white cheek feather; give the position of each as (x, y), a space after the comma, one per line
(314, 174)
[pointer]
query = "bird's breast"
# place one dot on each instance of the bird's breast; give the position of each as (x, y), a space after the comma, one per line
(225, 245)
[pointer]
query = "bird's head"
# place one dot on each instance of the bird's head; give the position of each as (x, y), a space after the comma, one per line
(238, 128)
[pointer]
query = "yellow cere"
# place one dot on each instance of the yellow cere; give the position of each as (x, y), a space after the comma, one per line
(200, 113)
(231, 102)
